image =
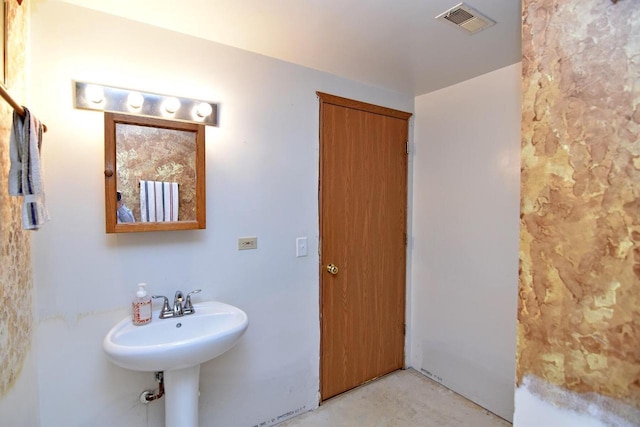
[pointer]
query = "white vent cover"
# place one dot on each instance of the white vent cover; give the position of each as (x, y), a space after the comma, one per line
(466, 18)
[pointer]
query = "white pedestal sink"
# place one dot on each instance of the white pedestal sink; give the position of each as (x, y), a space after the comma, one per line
(177, 346)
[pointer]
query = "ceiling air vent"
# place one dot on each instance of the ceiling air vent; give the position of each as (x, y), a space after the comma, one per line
(466, 18)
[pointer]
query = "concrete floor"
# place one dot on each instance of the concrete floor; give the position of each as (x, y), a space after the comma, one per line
(400, 399)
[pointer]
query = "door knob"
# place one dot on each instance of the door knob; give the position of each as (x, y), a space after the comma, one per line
(332, 268)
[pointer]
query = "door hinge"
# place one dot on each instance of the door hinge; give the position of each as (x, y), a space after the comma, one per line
(406, 145)
(406, 239)
(404, 329)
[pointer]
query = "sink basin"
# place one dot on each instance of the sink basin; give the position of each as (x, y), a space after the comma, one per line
(176, 343)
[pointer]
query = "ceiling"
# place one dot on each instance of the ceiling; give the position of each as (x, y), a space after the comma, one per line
(393, 44)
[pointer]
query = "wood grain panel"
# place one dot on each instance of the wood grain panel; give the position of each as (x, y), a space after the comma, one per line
(363, 225)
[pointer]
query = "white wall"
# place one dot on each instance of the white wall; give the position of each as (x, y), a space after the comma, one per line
(18, 406)
(262, 180)
(466, 195)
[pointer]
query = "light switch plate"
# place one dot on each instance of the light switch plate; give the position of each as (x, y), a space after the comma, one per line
(247, 243)
(301, 246)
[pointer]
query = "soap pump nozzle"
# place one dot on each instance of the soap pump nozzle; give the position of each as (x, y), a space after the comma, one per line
(142, 292)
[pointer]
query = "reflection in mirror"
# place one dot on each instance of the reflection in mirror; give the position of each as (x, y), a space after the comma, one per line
(154, 174)
(164, 176)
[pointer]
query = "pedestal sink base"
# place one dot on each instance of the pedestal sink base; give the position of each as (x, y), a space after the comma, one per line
(181, 397)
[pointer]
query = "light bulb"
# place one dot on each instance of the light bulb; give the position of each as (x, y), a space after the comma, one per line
(94, 93)
(171, 105)
(204, 109)
(135, 100)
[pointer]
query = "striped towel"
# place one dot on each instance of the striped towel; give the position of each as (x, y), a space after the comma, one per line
(158, 201)
(25, 172)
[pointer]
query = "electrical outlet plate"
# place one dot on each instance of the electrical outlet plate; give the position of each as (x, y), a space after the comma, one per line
(247, 243)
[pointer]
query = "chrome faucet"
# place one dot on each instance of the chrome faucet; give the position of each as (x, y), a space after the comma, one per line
(177, 304)
(178, 309)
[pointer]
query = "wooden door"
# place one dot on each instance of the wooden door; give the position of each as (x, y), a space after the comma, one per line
(363, 212)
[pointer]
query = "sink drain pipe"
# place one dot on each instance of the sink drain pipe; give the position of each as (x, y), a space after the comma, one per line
(148, 395)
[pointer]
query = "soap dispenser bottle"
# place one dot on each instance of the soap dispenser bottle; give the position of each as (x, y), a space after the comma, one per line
(141, 306)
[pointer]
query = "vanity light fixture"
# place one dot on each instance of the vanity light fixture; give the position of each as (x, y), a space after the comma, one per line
(90, 96)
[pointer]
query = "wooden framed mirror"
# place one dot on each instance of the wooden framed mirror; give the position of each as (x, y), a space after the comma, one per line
(154, 174)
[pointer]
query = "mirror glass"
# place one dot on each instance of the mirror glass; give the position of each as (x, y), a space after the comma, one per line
(154, 174)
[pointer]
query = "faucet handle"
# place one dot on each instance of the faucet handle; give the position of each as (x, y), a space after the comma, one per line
(188, 307)
(166, 310)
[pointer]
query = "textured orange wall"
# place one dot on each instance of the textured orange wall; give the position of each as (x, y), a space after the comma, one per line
(16, 286)
(579, 307)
